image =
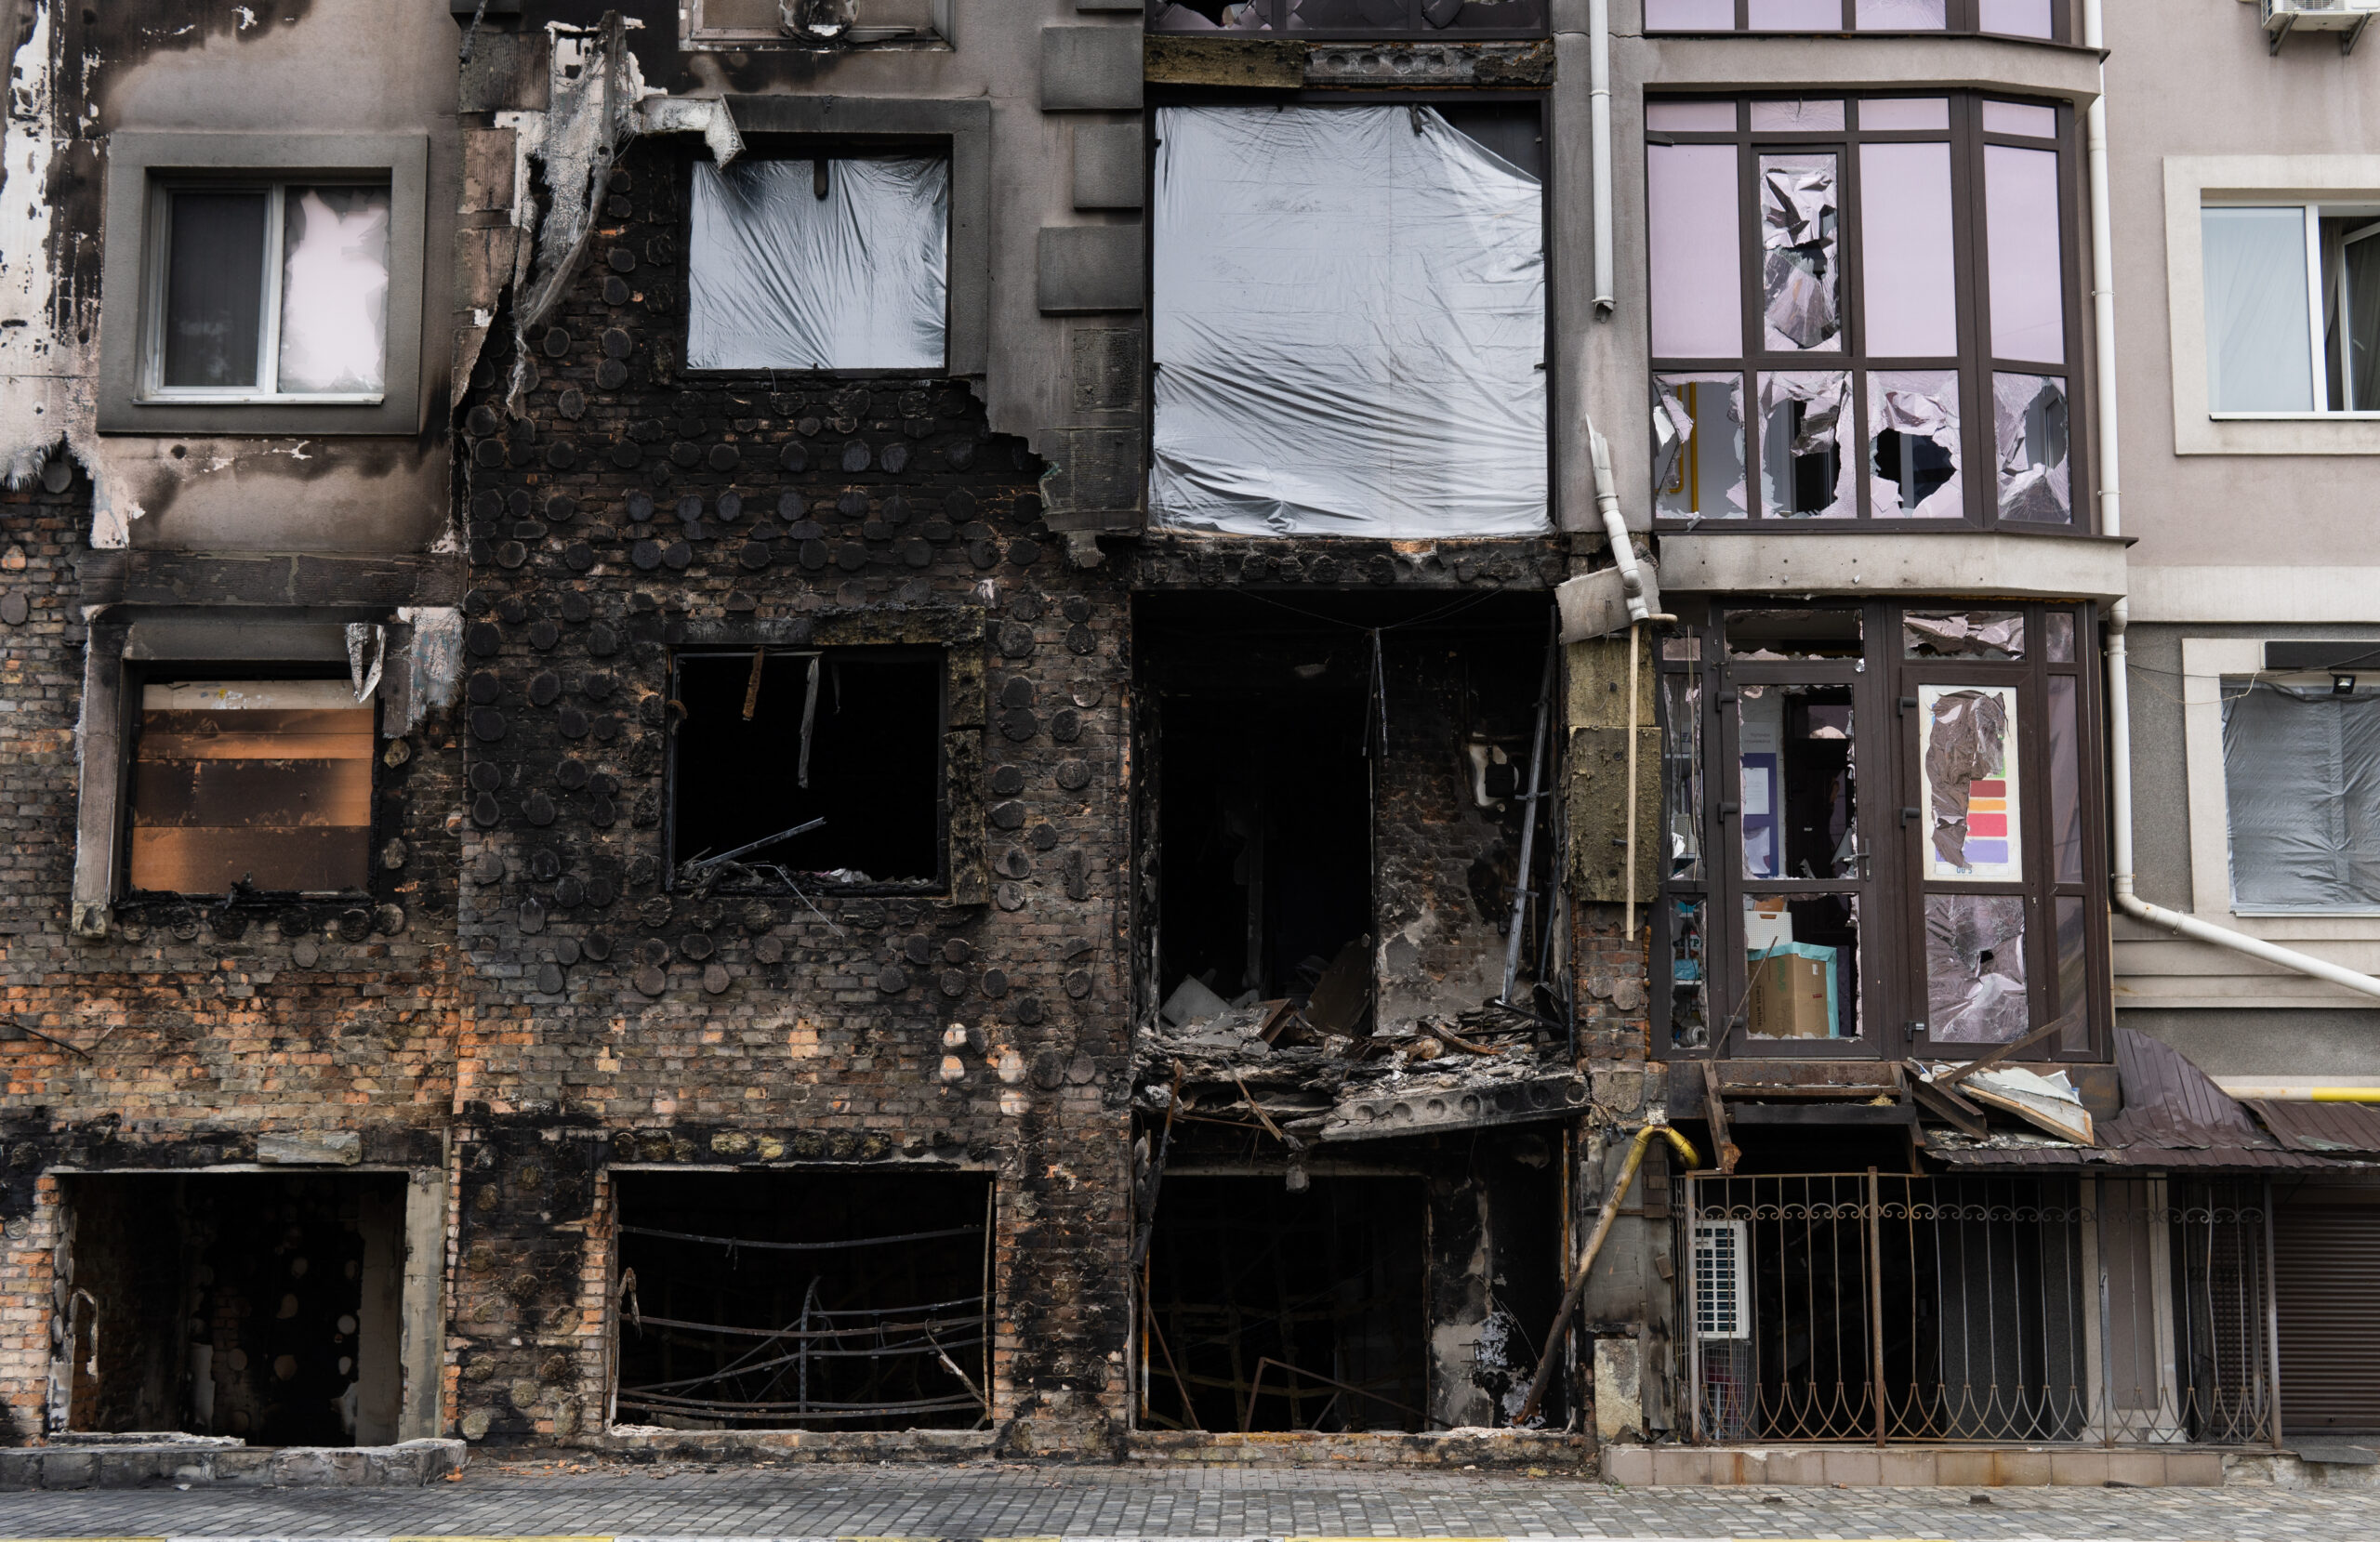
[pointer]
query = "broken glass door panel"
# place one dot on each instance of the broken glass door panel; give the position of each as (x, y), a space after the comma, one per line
(1913, 447)
(1793, 634)
(2022, 254)
(1975, 968)
(2064, 782)
(1967, 759)
(1801, 276)
(2029, 423)
(1697, 265)
(335, 290)
(1681, 774)
(1802, 417)
(1796, 16)
(1802, 967)
(2058, 644)
(1963, 634)
(1689, 977)
(214, 285)
(1903, 15)
(1800, 803)
(1699, 447)
(1908, 279)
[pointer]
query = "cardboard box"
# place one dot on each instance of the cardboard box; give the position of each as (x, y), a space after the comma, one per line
(1792, 993)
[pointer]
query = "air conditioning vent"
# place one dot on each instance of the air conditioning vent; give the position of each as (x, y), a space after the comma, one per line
(2347, 18)
(1721, 1281)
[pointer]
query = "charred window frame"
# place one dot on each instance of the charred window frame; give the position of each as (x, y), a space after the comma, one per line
(1702, 933)
(749, 23)
(1322, 21)
(1872, 374)
(2043, 20)
(715, 754)
(144, 170)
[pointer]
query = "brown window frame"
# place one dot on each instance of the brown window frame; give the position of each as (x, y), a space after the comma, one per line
(1973, 365)
(1891, 972)
(1414, 26)
(1962, 17)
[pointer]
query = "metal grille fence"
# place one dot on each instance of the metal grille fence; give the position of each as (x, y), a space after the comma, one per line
(1868, 1306)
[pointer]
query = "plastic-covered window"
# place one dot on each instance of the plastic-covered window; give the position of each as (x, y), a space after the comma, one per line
(2301, 774)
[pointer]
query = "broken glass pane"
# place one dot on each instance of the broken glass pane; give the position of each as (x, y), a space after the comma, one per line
(2065, 783)
(1800, 802)
(1913, 453)
(2022, 254)
(1207, 16)
(214, 289)
(2059, 627)
(1793, 634)
(1802, 415)
(1904, 114)
(335, 290)
(1796, 16)
(1681, 773)
(1909, 271)
(1903, 15)
(1690, 984)
(1801, 966)
(1975, 968)
(1313, 15)
(1699, 447)
(1963, 634)
(2014, 18)
(1697, 265)
(1800, 304)
(2030, 420)
(1968, 755)
(1816, 115)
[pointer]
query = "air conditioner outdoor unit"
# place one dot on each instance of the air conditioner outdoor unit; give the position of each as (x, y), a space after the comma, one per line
(2347, 18)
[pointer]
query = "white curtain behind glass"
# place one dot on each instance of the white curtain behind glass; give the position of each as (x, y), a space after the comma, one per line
(2259, 346)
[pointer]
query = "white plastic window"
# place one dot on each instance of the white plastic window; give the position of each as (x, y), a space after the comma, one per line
(2293, 308)
(269, 292)
(842, 264)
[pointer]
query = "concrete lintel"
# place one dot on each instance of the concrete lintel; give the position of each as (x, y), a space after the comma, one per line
(1850, 562)
(1758, 61)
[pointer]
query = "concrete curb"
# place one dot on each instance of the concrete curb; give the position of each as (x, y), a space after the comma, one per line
(408, 1465)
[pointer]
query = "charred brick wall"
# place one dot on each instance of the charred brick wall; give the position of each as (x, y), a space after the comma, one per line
(628, 510)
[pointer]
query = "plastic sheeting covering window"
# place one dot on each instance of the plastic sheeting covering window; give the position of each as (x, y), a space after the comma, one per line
(335, 291)
(1349, 325)
(783, 279)
(1975, 968)
(2029, 427)
(2301, 776)
(1913, 446)
(1803, 415)
(1699, 447)
(1801, 273)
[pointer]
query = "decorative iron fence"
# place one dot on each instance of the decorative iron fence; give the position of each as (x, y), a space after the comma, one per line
(1880, 1308)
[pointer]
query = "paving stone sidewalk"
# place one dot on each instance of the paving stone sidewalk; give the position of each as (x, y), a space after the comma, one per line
(988, 1501)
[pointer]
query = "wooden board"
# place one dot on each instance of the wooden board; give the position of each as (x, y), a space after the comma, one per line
(266, 782)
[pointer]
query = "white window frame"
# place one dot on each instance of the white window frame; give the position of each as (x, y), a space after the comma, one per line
(1738, 1324)
(2194, 183)
(267, 390)
(2318, 331)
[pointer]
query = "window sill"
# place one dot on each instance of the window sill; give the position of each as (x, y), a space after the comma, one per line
(2294, 418)
(234, 401)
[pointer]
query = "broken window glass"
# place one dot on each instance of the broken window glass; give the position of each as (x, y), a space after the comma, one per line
(335, 290)
(2014, 18)
(1691, 15)
(1801, 966)
(1689, 982)
(1793, 634)
(1904, 114)
(1963, 634)
(2030, 421)
(2023, 254)
(1967, 752)
(1903, 15)
(2058, 644)
(1699, 447)
(2065, 781)
(215, 289)
(1803, 415)
(1799, 787)
(264, 784)
(1681, 773)
(1913, 453)
(1696, 267)
(1975, 968)
(1815, 115)
(1800, 271)
(2301, 776)
(1315, 15)
(1907, 249)
(1796, 16)
(782, 278)
(1207, 16)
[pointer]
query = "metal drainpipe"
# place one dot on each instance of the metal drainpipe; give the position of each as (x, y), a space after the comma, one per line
(1599, 131)
(2119, 614)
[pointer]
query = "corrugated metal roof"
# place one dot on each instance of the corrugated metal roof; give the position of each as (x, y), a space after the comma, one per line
(2332, 1128)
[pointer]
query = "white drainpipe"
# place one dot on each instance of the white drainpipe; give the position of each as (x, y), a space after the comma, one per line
(1599, 134)
(2103, 308)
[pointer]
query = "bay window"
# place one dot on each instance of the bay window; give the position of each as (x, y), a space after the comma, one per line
(2046, 19)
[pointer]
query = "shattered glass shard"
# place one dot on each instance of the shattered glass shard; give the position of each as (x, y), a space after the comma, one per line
(1800, 273)
(1963, 635)
(1802, 470)
(1913, 453)
(1975, 968)
(1699, 447)
(2029, 424)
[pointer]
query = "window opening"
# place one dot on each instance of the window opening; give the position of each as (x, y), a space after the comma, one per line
(1290, 1310)
(1764, 635)
(246, 785)
(1965, 634)
(262, 1306)
(819, 264)
(763, 746)
(850, 1300)
(1801, 966)
(271, 293)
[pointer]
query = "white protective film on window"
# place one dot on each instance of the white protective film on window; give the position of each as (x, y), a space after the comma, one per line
(2301, 778)
(783, 279)
(335, 291)
(1349, 326)
(2259, 350)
